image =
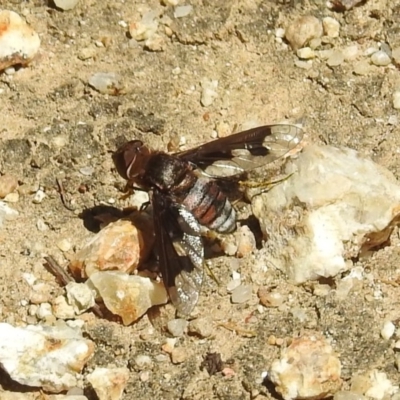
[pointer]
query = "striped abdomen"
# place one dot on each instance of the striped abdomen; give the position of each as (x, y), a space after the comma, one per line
(207, 202)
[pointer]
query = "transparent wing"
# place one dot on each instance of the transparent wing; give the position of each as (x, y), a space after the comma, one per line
(180, 251)
(243, 151)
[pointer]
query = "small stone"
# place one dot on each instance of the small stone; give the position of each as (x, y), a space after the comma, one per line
(87, 53)
(233, 284)
(109, 383)
(209, 92)
(280, 33)
(7, 213)
(305, 53)
(169, 345)
(64, 245)
(178, 355)
(62, 309)
(335, 59)
(106, 83)
(86, 171)
(146, 28)
(39, 196)
(350, 52)
(246, 241)
(303, 64)
(182, 11)
(331, 27)
(241, 294)
(80, 297)
(304, 29)
(388, 330)
(155, 43)
(177, 327)
(381, 59)
(362, 67)
(380, 386)
(201, 327)
(143, 361)
(307, 369)
(396, 100)
(12, 198)
(19, 43)
(66, 4)
(44, 311)
(8, 184)
(270, 298)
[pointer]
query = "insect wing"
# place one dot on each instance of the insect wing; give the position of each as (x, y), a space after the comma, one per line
(180, 251)
(243, 151)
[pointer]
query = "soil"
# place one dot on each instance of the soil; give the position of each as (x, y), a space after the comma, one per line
(53, 124)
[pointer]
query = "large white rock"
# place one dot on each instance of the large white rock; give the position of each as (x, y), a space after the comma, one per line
(334, 207)
(46, 356)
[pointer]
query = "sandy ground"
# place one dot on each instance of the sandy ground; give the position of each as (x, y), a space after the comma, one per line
(232, 42)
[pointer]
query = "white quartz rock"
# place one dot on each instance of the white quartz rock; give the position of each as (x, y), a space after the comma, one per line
(335, 206)
(44, 356)
(109, 383)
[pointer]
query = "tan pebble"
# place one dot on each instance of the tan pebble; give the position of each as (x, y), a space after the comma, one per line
(12, 198)
(304, 29)
(331, 27)
(178, 355)
(246, 242)
(64, 245)
(8, 184)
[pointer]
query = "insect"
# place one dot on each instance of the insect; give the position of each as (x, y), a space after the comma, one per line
(186, 192)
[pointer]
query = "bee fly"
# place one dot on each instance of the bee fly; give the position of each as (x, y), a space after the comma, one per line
(186, 194)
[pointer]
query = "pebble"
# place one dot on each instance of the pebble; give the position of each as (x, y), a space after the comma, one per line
(66, 4)
(362, 67)
(12, 198)
(308, 368)
(246, 241)
(209, 92)
(380, 386)
(201, 327)
(106, 83)
(396, 100)
(350, 52)
(388, 330)
(7, 213)
(241, 294)
(305, 53)
(109, 383)
(233, 284)
(381, 59)
(155, 43)
(171, 2)
(303, 64)
(143, 361)
(302, 30)
(44, 356)
(335, 59)
(41, 225)
(177, 327)
(87, 53)
(268, 298)
(8, 184)
(331, 27)
(61, 309)
(64, 245)
(19, 43)
(39, 196)
(44, 311)
(86, 171)
(80, 297)
(178, 355)
(182, 11)
(145, 28)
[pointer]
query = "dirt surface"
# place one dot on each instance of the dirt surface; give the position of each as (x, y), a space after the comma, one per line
(53, 124)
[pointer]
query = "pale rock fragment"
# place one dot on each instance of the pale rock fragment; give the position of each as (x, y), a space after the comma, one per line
(107, 83)
(388, 330)
(331, 27)
(80, 297)
(7, 213)
(307, 369)
(146, 28)
(335, 206)
(380, 386)
(66, 5)
(182, 11)
(62, 309)
(300, 32)
(44, 356)
(109, 383)
(209, 92)
(120, 246)
(128, 296)
(8, 184)
(245, 240)
(19, 43)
